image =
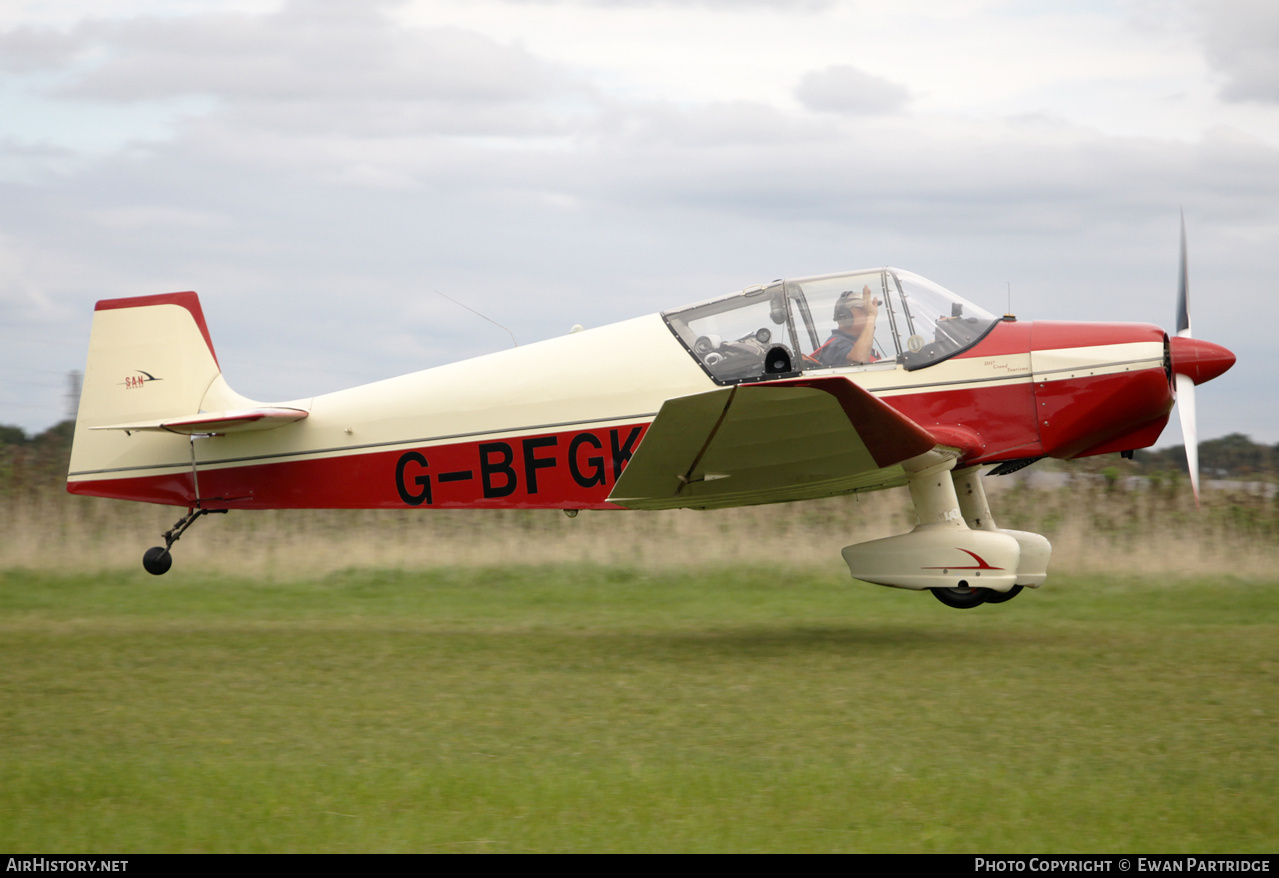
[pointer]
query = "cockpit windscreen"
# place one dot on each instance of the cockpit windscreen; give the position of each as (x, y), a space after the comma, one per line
(836, 321)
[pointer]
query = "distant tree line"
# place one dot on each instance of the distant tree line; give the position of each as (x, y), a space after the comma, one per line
(29, 463)
(1231, 457)
(57, 436)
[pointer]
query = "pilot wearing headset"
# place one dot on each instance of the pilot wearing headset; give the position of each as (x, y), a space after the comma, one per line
(852, 341)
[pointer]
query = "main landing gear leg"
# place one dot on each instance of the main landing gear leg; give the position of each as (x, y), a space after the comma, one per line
(961, 565)
(935, 494)
(157, 560)
(1032, 564)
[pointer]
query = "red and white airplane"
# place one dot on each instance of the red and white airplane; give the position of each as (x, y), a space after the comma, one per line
(746, 399)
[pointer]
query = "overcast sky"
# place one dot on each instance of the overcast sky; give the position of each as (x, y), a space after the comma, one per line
(318, 169)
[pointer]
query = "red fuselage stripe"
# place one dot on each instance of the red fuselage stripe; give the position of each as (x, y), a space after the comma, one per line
(568, 470)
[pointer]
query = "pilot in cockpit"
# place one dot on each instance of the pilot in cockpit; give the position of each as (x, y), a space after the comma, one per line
(853, 339)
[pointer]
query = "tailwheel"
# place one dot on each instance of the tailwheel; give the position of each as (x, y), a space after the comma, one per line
(962, 597)
(157, 560)
(999, 597)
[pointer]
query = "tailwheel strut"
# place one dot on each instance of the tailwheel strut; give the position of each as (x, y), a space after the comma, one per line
(157, 560)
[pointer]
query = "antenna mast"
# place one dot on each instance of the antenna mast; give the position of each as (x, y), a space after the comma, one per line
(478, 314)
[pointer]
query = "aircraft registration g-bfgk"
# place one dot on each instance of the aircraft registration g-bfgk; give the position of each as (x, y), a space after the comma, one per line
(797, 389)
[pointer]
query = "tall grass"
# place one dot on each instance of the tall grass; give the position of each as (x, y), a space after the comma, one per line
(1095, 525)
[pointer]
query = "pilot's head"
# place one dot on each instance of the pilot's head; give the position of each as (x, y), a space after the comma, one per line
(848, 302)
(850, 311)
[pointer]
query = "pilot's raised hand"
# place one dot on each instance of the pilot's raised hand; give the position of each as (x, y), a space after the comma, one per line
(871, 304)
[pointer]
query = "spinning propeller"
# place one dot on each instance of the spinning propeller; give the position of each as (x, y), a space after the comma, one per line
(1193, 362)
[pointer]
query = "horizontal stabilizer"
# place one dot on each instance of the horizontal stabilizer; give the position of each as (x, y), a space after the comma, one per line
(237, 421)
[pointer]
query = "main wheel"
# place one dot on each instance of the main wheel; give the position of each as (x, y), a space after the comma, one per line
(157, 560)
(998, 597)
(962, 598)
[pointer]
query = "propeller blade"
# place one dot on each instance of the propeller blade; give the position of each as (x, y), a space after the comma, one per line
(1183, 288)
(1184, 383)
(1189, 431)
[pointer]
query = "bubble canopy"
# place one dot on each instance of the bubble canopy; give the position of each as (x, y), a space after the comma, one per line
(811, 324)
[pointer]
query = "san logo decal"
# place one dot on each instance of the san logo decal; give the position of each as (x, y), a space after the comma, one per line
(136, 382)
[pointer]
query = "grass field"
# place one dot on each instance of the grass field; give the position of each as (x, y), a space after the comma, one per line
(619, 707)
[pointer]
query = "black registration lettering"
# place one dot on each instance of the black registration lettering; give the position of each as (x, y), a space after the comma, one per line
(596, 472)
(622, 453)
(533, 463)
(501, 466)
(422, 481)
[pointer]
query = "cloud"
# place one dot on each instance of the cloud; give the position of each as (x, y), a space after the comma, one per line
(726, 5)
(13, 147)
(337, 89)
(296, 55)
(849, 91)
(26, 49)
(1241, 39)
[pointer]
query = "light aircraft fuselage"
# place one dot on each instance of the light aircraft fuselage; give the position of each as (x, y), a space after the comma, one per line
(728, 402)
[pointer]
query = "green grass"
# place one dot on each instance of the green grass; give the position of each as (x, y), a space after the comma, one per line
(580, 708)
